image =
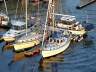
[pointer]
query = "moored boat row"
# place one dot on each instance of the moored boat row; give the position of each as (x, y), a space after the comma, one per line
(50, 41)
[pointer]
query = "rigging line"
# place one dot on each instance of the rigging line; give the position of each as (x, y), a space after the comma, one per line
(6, 7)
(26, 15)
(87, 17)
(52, 11)
(53, 19)
(37, 22)
(61, 7)
(17, 8)
(38, 8)
(46, 22)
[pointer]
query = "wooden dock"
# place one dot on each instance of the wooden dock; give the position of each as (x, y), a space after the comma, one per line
(84, 3)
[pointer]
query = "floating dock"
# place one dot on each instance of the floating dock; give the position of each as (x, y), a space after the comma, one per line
(84, 3)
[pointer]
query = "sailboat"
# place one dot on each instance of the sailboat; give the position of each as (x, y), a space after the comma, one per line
(69, 22)
(4, 19)
(29, 39)
(59, 40)
(17, 28)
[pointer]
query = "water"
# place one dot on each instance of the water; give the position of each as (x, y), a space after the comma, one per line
(79, 57)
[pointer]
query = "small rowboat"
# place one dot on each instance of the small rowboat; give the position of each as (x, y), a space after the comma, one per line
(32, 53)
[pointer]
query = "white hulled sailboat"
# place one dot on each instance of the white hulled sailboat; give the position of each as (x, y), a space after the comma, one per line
(17, 29)
(58, 41)
(30, 39)
(69, 22)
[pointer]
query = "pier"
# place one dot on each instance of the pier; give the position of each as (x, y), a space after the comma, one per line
(84, 3)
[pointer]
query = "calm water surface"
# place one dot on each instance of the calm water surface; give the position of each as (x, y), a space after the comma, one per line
(79, 57)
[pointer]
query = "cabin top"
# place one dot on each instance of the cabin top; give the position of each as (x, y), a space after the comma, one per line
(68, 18)
(17, 22)
(57, 35)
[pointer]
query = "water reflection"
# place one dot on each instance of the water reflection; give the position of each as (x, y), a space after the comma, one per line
(88, 43)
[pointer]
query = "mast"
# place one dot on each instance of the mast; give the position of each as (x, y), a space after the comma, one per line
(50, 1)
(53, 16)
(26, 15)
(6, 7)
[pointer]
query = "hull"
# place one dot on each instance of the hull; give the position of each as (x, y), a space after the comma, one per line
(25, 45)
(12, 32)
(81, 32)
(8, 39)
(50, 53)
(60, 25)
(78, 32)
